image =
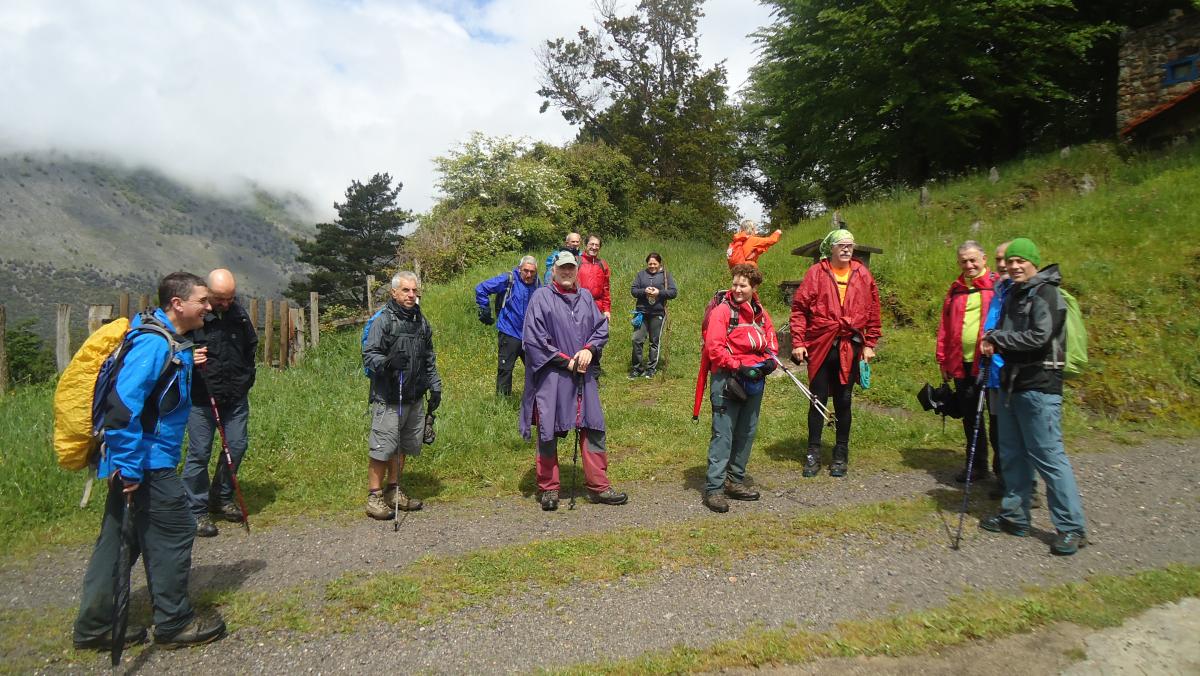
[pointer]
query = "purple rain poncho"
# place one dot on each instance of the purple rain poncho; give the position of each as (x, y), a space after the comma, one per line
(559, 324)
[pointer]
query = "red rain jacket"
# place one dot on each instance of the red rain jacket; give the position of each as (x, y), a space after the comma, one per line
(818, 317)
(949, 334)
(593, 276)
(752, 341)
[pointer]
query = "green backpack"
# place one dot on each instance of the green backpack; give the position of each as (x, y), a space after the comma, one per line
(1077, 338)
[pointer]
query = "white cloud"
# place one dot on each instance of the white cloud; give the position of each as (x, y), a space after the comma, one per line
(300, 95)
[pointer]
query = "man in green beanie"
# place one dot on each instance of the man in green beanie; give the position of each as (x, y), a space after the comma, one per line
(1031, 336)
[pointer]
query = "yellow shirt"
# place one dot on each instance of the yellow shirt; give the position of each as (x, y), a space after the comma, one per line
(972, 315)
(843, 281)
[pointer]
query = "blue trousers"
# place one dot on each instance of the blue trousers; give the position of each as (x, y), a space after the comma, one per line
(202, 429)
(1030, 432)
(733, 427)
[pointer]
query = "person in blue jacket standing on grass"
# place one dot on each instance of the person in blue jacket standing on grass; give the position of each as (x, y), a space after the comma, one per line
(512, 291)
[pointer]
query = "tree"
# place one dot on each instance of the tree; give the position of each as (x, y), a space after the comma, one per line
(636, 83)
(852, 95)
(362, 241)
(29, 360)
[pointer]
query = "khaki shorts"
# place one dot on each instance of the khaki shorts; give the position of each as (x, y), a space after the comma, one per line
(391, 432)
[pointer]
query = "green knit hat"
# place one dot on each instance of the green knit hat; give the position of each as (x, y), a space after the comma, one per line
(1024, 248)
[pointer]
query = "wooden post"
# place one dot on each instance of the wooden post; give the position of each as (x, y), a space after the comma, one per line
(143, 302)
(370, 294)
(97, 315)
(254, 319)
(267, 333)
(285, 331)
(3, 353)
(62, 337)
(314, 318)
(123, 304)
(298, 322)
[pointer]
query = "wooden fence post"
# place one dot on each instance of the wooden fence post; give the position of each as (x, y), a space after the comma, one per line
(254, 318)
(285, 330)
(3, 353)
(314, 318)
(298, 322)
(370, 294)
(123, 304)
(62, 337)
(143, 302)
(97, 315)
(267, 333)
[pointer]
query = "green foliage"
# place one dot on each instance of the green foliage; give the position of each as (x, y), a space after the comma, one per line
(637, 83)
(30, 361)
(853, 96)
(362, 241)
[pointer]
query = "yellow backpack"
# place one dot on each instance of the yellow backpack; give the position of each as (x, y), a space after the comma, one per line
(80, 399)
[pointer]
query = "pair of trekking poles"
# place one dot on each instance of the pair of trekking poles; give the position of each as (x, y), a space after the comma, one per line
(121, 576)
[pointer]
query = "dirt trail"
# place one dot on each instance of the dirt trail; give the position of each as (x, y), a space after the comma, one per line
(1141, 503)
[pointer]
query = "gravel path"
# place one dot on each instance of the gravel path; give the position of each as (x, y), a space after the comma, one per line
(1141, 503)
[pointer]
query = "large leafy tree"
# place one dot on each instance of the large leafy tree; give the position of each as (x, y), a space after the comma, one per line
(636, 82)
(851, 95)
(362, 241)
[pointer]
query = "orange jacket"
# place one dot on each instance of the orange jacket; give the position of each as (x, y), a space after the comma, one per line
(746, 248)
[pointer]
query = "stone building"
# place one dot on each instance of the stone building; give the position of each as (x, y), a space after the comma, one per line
(1158, 85)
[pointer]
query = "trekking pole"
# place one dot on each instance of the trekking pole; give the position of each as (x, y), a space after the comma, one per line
(400, 471)
(226, 454)
(120, 616)
(830, 418)
(962, 513)
(578, 426)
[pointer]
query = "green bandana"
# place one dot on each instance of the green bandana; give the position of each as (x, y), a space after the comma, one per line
(832, 238)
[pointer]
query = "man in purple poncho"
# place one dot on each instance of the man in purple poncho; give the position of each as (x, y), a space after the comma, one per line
(562, 332)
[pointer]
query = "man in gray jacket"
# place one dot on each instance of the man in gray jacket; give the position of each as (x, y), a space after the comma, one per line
(1031, 336)
(400, 359)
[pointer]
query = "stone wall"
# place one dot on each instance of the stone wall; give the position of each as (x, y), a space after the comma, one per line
(1144, 53)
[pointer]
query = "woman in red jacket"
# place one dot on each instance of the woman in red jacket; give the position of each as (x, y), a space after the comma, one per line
(835, 323)
(958, 342)
(739, 340)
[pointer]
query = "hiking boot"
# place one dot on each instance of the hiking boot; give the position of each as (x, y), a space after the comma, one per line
(739, 491)
(377, 508)
(715, 500)
(549, 500)
(841, 456)
(1066, 544)
(227, 511)
(197, 632)
(133, 635)
(205, 527)
(608, 497)
(812, 462)
(999, 524)
(394, 497)
(648, 374)
(634, 375)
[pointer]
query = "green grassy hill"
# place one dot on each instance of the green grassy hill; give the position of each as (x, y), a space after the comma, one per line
(1128, 249)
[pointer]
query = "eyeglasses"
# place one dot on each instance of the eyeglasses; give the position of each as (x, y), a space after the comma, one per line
(844, 247)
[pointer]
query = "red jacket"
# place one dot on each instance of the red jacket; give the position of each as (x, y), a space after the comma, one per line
(593, 276)
(818, 317)
(949, 334)
(746, 248)
(751, 341)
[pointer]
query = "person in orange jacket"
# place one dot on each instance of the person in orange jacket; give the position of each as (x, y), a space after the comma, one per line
(746, 248)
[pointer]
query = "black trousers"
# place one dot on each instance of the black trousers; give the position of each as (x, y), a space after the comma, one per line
(163, 531)
(508, 351)
(967, 392)
(828, 382)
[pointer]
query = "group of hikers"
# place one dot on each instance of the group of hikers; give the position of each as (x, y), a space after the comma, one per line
(1001, 333)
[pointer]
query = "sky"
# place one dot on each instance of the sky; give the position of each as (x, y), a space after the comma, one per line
(297, 96)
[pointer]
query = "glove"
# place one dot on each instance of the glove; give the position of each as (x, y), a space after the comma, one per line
(750, 372)
(397, 361)
(435, 400)
(485, 316)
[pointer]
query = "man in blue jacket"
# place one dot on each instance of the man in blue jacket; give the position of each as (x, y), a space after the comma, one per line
(148, 410)
(512, 290)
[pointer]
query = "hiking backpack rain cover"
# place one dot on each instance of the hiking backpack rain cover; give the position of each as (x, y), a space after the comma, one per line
(80, 399)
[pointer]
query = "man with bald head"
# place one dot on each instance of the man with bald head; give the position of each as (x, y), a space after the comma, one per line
(232, 343)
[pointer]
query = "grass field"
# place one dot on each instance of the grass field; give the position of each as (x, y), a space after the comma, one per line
(1128, 250)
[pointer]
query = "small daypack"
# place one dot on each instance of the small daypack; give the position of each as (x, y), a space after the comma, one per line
(81, 398)
(367, 329)
(1076, 338)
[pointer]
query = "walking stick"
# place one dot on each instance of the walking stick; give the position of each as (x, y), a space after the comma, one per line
(578, 426)
(830, 418)
(120, 616)
(237, 489)
(962, 513)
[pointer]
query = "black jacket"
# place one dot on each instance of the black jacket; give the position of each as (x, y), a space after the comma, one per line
(1031, 334)
(232, 345)
(407, 331)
